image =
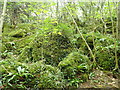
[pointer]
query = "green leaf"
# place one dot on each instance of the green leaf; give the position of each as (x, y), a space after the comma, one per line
(11, 78)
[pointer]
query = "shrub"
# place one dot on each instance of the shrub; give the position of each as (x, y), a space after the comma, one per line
(46, 76)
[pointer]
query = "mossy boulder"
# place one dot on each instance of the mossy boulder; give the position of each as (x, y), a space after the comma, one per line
(103, 46)
(105, 57)
(73, 64)
(94, 39)
(21, 35)
(52, 48)
(105, 51)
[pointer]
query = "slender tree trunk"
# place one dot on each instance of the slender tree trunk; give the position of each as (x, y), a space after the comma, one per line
(57, 7)
(1, 23)
(91, 53)
(2, 17)
(117, 38)
(119, 20)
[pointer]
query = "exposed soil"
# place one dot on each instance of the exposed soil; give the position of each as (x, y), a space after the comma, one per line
(102, 79)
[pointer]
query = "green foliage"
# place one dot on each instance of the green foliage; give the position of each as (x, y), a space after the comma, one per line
(18, 79)
(103, 46)
(73, 64)
(8, 47)
(57, 48)
(15, 74)
(42, 48)
(50, 80)
(74, 82)
(105, 57)
(46, 76)
(17, 33)
(39, 75)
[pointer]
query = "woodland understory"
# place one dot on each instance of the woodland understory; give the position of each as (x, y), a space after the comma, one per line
(60, 45)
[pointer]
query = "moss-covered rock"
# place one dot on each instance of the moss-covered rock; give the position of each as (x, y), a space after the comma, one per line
(20, 35)
(73, 64)
(103, 46)
(105, 51)
(52, 48)
(94, 39)
(105, 57)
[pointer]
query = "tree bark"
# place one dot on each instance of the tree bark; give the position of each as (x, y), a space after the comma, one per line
(118, 38)
(119, 20)
(2, 17)
(1, 23)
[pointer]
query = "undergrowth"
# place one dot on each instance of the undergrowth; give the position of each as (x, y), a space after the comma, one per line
(52, 54)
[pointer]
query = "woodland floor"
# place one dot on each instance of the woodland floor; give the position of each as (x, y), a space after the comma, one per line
(102, 79)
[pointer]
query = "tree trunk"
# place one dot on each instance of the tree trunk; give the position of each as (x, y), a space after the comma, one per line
(2, 16)
(1, 23)
(118, 38)
(119, 20)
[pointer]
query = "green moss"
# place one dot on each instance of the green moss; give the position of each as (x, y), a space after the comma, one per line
(53, 48)
(71, 64)
(17, 33)
(105, 58)
(105, 52)
(103, 47)
(73, 58)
